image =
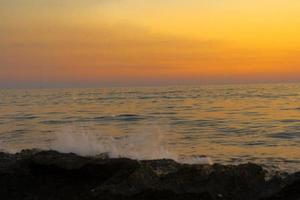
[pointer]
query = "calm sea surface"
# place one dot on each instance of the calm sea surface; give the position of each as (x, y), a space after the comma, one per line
(230, 124)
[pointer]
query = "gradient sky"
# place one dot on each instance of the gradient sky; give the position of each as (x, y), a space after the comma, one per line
(137, 42)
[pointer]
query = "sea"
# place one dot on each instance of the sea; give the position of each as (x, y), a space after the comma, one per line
(226, 124)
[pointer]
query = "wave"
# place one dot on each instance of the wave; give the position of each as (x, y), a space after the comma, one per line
(143, 146)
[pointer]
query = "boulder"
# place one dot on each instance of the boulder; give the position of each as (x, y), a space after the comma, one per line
(47, 175)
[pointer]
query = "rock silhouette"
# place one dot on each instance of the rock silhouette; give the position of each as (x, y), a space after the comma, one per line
(50, 175)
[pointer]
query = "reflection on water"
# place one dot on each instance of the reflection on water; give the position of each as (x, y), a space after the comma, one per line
(231, 124)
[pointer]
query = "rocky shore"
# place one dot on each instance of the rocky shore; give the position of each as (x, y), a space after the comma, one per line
(49, 175)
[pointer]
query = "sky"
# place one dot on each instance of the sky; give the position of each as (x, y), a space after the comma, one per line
(148, 42)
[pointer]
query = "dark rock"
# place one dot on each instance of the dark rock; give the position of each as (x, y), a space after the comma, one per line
(47, 175)
(291, 191)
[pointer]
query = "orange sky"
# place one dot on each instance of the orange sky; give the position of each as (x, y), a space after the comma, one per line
(141, 41)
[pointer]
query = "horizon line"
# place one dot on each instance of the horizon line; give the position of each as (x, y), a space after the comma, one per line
(135, 85)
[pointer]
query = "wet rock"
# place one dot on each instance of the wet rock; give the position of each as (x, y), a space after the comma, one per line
(47, 175)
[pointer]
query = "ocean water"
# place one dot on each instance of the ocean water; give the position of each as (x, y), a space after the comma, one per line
(227, 124)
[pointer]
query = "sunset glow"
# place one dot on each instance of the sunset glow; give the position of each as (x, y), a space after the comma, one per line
(123, 42)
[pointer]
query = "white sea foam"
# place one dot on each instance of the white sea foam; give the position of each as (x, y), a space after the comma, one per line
(196, 160)
(143, 146)
(5, 147)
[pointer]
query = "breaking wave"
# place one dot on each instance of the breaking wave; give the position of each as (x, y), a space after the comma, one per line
(144, 146)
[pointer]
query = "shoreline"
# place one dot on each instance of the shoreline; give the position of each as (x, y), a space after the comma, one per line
(33, 174)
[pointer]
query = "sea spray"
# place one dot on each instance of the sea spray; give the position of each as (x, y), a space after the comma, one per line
(136, 146)
(146, 145)
(6, 147)
(81, 143)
